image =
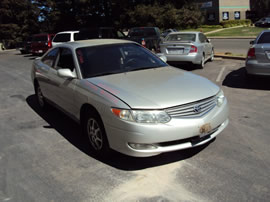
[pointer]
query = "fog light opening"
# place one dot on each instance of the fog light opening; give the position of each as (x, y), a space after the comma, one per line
(138, 146)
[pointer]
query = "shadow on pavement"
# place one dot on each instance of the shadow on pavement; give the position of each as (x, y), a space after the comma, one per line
(184, 66)
(238, 79)
(71, 131)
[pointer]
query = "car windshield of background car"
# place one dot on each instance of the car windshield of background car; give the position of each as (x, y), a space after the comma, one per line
(265, 38)
(40, 38)
(116, 58)
(181, 37)
(142, 32)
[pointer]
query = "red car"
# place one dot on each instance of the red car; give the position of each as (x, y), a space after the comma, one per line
(41, 43)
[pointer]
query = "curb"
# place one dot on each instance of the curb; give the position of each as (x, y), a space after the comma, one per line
(220, 55)
(232, 37)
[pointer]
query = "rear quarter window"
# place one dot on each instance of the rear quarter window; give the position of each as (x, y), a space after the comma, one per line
(264, 38)
(62, 38)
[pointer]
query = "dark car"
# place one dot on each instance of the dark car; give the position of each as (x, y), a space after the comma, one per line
(264, 22)
(149, 37)
(99, 33)
(41, 43)
(168, 31)
(25, 46)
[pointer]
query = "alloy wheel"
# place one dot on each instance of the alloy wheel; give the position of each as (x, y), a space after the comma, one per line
(95, 135)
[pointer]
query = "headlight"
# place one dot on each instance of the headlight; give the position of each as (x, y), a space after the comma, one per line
(142, 116)
(220, 98)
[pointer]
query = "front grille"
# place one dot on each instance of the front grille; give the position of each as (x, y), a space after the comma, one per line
(194, 109)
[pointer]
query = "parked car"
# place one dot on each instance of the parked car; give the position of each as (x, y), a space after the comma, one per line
(192, 47)
(41, 43)
(25, 46)
(127, 99)
(100, 33)
(258, 57)
(149, 37)
(168, 31)
(264, 22)
(62, 37)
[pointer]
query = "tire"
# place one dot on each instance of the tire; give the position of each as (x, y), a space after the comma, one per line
(93, 128)
(212, 55)
(201, 66)
(40, 98)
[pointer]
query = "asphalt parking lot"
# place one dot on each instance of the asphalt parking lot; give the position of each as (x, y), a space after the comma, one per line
(44, 157)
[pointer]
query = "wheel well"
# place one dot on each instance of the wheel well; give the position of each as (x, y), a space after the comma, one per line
(87, 108)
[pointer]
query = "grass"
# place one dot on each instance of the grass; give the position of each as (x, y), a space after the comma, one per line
(204, 30)
(240, 31)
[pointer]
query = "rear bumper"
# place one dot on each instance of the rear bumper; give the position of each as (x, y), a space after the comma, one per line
(255, 68)
(194, 58)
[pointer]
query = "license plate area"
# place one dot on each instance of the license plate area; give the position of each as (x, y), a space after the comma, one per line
(175, 51)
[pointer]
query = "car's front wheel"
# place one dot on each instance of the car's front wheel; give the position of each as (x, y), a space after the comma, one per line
(93, 128)
(212, 55)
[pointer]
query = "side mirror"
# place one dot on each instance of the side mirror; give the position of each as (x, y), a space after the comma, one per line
(208, 40)
(162, 57)
(251, 42)
(65, 73)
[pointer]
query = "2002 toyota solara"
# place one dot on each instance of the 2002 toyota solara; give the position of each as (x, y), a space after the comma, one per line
(128, 99)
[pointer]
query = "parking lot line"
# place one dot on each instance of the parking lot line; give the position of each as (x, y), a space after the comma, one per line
(220, 74)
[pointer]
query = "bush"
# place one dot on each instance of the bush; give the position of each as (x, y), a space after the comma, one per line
(211, 26)
(233, 23)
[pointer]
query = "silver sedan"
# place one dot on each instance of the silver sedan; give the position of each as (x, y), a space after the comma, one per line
(258, 57)
(192, 47)
(127, 99)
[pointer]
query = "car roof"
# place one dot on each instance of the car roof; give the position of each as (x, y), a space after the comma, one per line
(184, 33)
(93, 42)
(67, 32)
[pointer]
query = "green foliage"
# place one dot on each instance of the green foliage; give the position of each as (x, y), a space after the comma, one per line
(165, 16)
(233, 23)
(18, 20)
(211, 26)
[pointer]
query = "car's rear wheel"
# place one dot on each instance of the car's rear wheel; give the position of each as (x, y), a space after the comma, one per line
(201, 65)
(93, 128)
(39, 95)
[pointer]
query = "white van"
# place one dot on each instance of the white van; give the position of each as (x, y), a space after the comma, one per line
(62, 37)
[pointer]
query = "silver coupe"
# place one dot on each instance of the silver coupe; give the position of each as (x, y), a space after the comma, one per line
(191, 47)
(128, 99)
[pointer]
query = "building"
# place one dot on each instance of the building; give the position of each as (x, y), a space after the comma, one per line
(216, 11)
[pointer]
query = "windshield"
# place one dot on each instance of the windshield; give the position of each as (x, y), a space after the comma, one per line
(116, 58)
(142, 32)
(181, 37)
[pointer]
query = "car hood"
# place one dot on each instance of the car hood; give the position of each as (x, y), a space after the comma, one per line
(156, 88)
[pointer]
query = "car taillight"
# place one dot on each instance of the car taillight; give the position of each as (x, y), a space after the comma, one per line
(193, 49)
(49, 44)
(251, 53)
(143, 43)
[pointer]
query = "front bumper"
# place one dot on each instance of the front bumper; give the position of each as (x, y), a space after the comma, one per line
(255, 68)
(178, 134)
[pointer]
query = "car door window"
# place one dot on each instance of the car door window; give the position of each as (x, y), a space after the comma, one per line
(65, 60)
(50, 58)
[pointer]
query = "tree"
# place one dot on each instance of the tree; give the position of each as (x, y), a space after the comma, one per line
(18, 20)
